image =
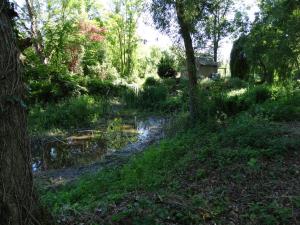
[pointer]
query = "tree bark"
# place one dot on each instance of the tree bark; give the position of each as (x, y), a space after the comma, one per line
(216, 47)
(19, 204)
(190, 60)
(215, 41)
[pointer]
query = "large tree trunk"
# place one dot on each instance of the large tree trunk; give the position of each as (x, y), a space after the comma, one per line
(19, 204)
(190, 60)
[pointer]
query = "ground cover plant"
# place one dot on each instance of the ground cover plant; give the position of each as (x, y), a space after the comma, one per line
(242, 169)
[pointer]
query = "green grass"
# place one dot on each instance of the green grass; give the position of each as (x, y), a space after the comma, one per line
(169, 170)
(242, 170)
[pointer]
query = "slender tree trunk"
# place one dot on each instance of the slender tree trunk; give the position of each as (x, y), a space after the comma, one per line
(268, 77)
(190, 60)
(35, 33)
(215, 39)
(19, 204)
(216, 47)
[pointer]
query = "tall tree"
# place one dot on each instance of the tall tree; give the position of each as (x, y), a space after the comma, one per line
(35, 33)
(187, 14)
(238, 61)
(217, 25)
(272, 46)
(121, 36)
(19, 204)
(190, 55)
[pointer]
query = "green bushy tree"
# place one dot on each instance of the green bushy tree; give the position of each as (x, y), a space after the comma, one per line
(166, 67)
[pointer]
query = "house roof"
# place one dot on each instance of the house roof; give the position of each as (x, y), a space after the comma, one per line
(206, 61)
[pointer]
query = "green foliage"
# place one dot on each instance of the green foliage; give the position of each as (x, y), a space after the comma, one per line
(156, 96)
(75, 112)
(130, 98)
(221, 98)
(150, 81)
(226, 84)
(178, 124)
(238, 60)
(258, 94)
(50, 84)
(172, 104)
(166, 66)
(121, 37)
(102, 71)
(271, 47)
(283, 109)
(99, 87)
(217, 24)
(172, 170)
(256, 132)
(151, 97)
(147, 61)
(268, 214)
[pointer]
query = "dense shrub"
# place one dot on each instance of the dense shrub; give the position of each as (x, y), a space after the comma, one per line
(239, 65)
(258, 94)
(73, 113)
(51, 84)
(151, 81)
(248, 131)
(130, 98)
(166, 66)
(47, 84)
(216, 101)
(171, 104)
(103, 88)
(151, 97)
(286, 108)
(222, 85)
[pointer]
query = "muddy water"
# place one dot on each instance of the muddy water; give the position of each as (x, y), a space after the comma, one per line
(84, 147)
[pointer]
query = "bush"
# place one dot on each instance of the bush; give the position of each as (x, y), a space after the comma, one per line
(103, 71)
(229, 105)
(245, 131)
(155, 96)
(216, 102)
(47, 84)
(129, 98)
(223, 84)
(77, 112)
(99, 87)
(171, 104)
(258, 94)
(150, 81)
(285, 108)
(151, 97)
(166, 66)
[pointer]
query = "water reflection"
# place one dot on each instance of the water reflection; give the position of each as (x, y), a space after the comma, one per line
(83, 147)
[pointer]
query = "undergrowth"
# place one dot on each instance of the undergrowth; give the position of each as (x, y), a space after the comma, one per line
(167, 181)
(241, 168)
(76, 112)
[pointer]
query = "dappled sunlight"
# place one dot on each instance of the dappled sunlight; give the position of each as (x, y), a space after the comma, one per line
(236, 92)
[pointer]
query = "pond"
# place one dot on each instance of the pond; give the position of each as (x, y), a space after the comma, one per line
(83, 147)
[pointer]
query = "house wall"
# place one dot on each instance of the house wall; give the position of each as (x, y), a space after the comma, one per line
(206, 71)
(202, 71)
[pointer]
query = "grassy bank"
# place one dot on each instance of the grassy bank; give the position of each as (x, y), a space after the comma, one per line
(237, 167)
